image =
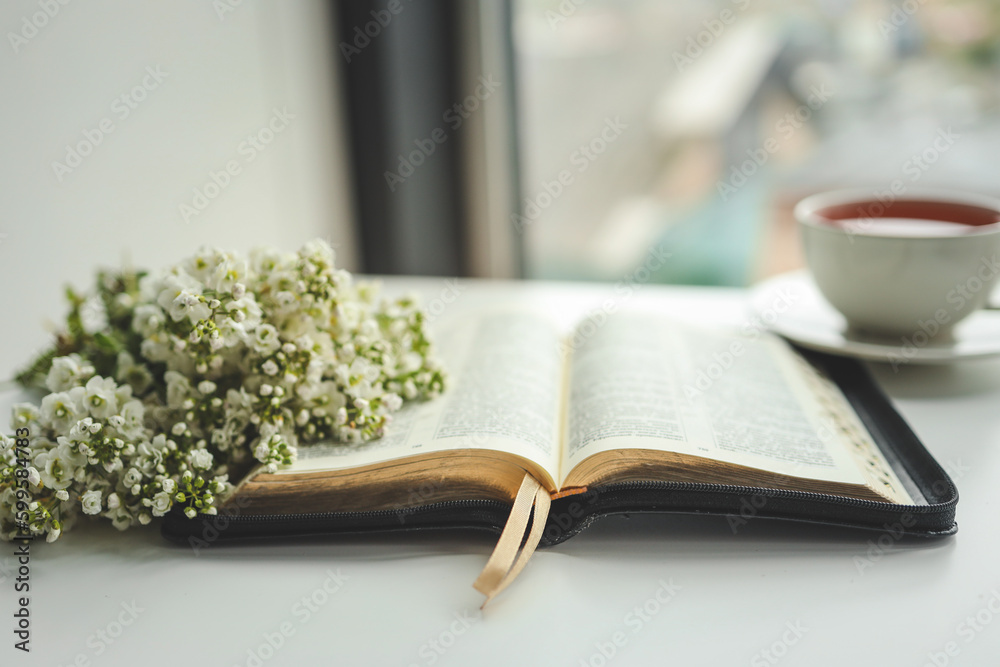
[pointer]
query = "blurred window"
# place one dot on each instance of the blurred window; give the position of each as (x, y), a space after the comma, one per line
(689, 128)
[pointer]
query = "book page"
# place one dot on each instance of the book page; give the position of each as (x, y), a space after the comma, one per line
(647, 382)
(506, 373)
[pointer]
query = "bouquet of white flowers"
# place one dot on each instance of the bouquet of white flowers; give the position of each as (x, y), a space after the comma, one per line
(165, 386)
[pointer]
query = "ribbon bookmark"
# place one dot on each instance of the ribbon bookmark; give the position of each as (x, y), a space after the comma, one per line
(505, 563)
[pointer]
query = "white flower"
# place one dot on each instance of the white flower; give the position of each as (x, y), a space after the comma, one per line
(262, 451)
(161, 503)
(150, 454)
(53, 470)
(360, 370)
(287, 298)
(100, 398)
(24, 414)
(91, 501)
(175, 284)
(201, 459)
(132, 414)
(229, 272)
(409, 390)
(265, 339)
(202, 263)
(124, 300)
(392, 402)
(158, 347)
(188, 305)
(61, 409)
(246, 311)
(215, 341)
(131, 477)
(71, 451)
(178, 388)
(350, 314)
(217, 322)
(318, 251)
(410, 362)
(147, 319)
(233, 333)
(67, 372)
(369, 328)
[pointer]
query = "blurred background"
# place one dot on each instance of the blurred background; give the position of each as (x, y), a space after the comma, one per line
(837, 93)
(555, 139)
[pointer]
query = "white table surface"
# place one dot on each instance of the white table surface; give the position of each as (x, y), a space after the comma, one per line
(409, 600)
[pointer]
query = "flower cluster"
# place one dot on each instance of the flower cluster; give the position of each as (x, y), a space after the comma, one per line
(165, 386)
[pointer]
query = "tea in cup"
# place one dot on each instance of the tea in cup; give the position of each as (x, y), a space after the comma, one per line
(898, 264)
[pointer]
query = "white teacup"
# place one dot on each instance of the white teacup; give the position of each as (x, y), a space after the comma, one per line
(916, 261)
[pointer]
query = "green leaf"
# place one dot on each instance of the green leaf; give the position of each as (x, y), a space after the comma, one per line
(107, 344)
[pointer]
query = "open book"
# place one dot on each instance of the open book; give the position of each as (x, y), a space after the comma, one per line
(631, 398)
(543, 431)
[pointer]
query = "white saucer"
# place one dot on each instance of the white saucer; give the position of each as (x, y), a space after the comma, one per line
(811, 322)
